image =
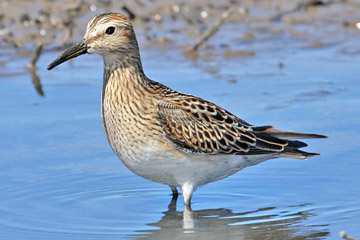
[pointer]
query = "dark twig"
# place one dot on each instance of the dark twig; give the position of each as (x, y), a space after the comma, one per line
(35, 55)
(300, 6)
(130, 13)
(212, 30)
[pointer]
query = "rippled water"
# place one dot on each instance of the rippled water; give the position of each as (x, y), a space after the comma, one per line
(60, 179)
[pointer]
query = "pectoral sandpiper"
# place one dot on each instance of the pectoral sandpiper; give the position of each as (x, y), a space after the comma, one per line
(168, 136)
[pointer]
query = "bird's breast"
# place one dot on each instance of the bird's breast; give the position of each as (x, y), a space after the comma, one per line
(129, 120)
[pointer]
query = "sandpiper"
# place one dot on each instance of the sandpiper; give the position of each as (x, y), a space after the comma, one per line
(168, 136)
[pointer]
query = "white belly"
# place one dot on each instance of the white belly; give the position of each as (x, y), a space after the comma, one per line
(174, 167)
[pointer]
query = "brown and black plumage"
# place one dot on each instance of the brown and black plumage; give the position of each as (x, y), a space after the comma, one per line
(196, 125)
(167, 136)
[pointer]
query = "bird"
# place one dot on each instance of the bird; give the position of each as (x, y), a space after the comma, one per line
(168, 136)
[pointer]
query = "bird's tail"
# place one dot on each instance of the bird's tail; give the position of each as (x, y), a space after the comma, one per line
(292, 135)
(297, 154)
(292, 149)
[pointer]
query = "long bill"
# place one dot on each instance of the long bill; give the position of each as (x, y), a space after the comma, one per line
(77, 50)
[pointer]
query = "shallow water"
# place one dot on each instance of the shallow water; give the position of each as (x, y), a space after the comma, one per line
(61, 180)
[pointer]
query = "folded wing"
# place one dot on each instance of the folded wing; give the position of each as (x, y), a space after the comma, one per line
(195, 125)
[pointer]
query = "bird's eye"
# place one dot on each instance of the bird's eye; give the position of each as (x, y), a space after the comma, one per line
(110, 30)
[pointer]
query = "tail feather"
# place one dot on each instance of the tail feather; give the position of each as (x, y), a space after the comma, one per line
(292, 135)
(298, 154)
(282, 143)
(295, 144)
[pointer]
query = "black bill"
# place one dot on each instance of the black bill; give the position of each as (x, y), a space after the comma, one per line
(77, 50)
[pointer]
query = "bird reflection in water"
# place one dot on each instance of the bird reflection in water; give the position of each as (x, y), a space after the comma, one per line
(222, 223)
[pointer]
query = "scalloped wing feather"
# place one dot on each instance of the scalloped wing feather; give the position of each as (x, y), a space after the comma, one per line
(196, 125)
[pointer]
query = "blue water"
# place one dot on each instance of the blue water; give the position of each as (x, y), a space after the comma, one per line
(61, 180)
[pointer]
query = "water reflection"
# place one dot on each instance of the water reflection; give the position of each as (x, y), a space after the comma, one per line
(221, 223)
(32, 69)
(36, 81)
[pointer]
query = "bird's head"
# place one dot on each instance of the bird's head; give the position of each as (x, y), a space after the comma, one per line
(111, 35)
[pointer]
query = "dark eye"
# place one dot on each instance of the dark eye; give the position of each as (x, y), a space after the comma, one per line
(110, 30)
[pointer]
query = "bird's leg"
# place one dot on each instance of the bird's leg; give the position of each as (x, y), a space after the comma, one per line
(172, 205)
(187, 191)
(174, 191)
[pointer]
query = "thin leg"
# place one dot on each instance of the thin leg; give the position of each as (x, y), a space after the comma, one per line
(187, 191)
(174, 191)
(172, 205)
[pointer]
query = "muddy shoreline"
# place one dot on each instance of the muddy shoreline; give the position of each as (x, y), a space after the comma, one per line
(57, 24)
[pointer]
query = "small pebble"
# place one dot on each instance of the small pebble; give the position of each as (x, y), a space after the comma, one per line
(93, 8)
(157, 18)
(357, 25)
(176, 8)
(204, 14)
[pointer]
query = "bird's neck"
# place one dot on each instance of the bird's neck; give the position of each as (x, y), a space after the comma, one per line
(126, 71)
(125, 97)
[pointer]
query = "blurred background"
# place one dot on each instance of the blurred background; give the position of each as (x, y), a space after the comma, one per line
(292, 64)
(309, 24)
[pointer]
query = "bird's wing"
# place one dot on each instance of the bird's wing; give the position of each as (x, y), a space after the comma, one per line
(193, 124)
